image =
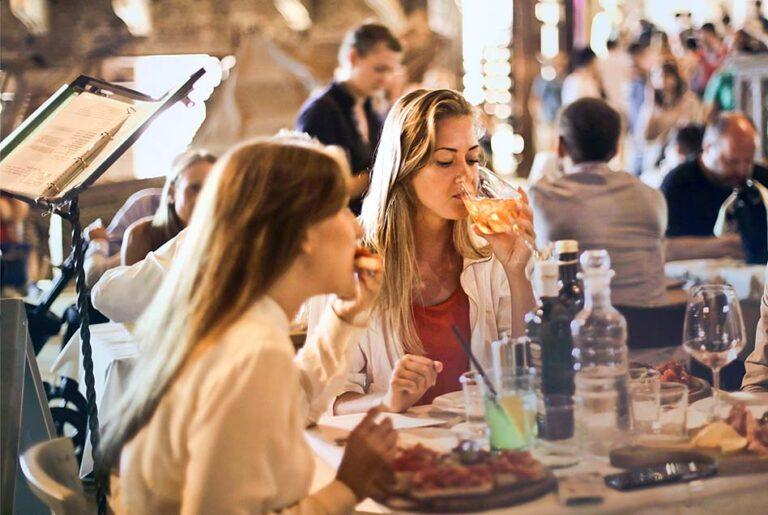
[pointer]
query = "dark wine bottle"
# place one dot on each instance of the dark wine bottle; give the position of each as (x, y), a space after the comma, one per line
(549, 330)
(571, 289)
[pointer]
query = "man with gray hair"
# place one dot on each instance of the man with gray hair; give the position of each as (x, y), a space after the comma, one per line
(696, 190)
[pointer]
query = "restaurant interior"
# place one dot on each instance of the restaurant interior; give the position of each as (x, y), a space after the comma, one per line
(504, 256)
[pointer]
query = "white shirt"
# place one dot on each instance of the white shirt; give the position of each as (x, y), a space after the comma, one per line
(124, 292)
(579, 85)
(376, 352)
(227, 437)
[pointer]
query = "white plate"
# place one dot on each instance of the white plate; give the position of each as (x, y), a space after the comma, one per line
(452, 402)
(756, 402)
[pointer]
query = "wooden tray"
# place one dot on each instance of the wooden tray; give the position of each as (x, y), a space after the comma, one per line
(498, 498)
(743, 462)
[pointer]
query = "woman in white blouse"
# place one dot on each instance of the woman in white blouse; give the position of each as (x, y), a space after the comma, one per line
(438, 273)
(214, 416)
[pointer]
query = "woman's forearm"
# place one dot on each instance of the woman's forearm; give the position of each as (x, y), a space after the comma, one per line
(523, 301)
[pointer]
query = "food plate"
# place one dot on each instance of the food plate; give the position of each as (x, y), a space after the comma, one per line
(452, 402)
(464, 480)
(756, 402)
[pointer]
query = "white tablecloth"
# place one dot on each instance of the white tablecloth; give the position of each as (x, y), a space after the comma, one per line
(114, 351)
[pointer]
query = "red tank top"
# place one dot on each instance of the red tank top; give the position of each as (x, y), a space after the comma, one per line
(433, 326)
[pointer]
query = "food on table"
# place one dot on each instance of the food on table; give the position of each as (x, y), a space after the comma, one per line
(741, 430)
(367, 260)
(673, 372)
(423, 473)
(754, 430)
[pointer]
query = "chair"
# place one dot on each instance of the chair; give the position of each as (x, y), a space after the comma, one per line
(51, 471)
(654, 327)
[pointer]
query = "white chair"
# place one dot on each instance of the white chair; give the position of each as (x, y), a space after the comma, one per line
(51, 471)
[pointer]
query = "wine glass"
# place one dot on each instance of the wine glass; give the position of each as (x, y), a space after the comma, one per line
(713, 332)
(494, 205)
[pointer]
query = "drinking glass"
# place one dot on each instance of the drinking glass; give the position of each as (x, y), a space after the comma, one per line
(511, 416)
(494, 205)
(644, 388)
(713, 332)
(474, 428)
(673, 408)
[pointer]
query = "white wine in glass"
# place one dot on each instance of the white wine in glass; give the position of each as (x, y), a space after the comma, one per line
(713, 332)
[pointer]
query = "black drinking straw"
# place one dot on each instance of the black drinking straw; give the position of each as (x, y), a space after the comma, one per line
(468, 351)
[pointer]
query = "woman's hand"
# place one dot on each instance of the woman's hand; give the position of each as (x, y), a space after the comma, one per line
(513, 249)
(413, 375)
(356, 310)
(366, 464)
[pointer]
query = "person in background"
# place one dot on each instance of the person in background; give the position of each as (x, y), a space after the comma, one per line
(188, 174)
(616, 73)
(668, 104)
(691, 66)
(343, 114)
(684, 145)
(602, 208)
(14, 251)
(714, 51)
(103, 251)
(546, 100)
(438, 273)
(584, 80)
(756, 364)
(640, 56)
(696, 190)
(219, 402)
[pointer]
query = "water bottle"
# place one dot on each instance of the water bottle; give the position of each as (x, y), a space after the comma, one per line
(603, 415)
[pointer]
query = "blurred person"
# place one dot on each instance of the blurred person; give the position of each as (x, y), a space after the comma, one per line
(438, 272)
(546, 100)
(219, 402)
(584, 80)
(343, 113)
(691, 67)
(696, 190)
(713, 50)
(756, 364)
(14, 251)
(602, 208)
(684, 145)
(616, 74)
(668, 104)
(188, 174)
(639, 54)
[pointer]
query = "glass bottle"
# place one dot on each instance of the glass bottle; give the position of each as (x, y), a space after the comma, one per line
(571, 291)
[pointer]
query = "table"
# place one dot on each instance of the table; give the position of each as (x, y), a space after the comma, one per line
(114, 351)
(748, 281)
(720, 494)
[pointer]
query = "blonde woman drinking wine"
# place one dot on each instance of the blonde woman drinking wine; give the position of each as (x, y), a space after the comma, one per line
(214, 416)
(438, 273)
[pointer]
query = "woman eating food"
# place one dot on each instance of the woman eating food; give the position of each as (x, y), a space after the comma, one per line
(213, 419)
(438, 272)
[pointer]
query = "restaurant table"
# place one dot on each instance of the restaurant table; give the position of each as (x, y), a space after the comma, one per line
(712, 495)
(114, 352)
(748, 281)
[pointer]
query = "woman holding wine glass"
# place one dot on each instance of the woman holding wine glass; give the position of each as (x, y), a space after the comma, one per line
(713, 332)
(438, 273)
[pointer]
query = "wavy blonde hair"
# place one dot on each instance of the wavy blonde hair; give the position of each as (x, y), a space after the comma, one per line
(246, 231)
(389, 209)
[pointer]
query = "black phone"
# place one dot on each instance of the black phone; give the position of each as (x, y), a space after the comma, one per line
(673, 472)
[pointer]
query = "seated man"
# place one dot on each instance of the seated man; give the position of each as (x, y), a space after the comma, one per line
(696, 190)
(601, 208)
(756, 377)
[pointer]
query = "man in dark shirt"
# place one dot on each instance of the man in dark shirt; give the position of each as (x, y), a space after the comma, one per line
(695, 191)
(342, 114)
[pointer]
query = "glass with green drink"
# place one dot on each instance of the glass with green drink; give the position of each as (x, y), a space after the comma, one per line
(511, 414)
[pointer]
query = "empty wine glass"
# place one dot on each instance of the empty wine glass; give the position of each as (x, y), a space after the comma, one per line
(713, 332)
(494, 205)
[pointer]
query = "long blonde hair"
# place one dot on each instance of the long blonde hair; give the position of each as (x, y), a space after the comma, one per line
(246, 231)
(389, 209)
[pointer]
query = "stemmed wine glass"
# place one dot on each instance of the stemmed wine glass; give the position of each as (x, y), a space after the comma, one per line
(494, 205)
(713, 332)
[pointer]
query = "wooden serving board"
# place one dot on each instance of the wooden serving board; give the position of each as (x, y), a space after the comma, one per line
(743, 462)
(498, 498)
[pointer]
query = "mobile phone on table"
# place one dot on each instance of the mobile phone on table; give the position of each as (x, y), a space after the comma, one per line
(672, 472)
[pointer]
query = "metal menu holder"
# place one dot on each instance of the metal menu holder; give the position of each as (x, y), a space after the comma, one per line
(57, 153)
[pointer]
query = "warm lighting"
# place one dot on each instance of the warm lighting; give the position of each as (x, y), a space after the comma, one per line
(295, 14)
(504, 145)
(33, 14)
(135, 14)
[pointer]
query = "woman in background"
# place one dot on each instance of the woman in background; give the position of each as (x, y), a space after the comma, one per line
(213, 419)
(188, 174)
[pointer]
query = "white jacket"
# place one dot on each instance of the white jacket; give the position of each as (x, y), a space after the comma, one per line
(376, 352)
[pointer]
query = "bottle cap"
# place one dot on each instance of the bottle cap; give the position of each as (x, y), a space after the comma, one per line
(595, 260)
(566, 246)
